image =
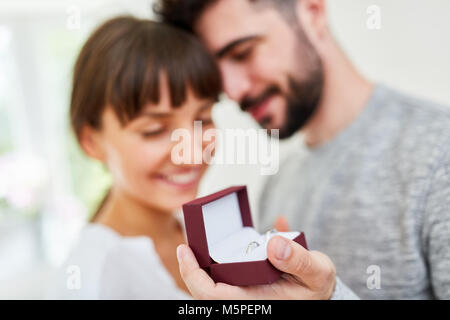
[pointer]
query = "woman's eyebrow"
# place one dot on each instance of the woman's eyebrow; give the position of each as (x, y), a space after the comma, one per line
(156, 114)
(165, 115)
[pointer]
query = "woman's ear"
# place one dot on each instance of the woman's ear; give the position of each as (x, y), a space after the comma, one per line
(91, 143)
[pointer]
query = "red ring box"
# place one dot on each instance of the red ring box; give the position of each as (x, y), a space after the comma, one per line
(218, 229)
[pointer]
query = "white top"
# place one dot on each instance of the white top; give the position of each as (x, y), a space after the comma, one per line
(106, 265)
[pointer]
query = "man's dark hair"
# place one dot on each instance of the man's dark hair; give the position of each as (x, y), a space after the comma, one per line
(184, 13)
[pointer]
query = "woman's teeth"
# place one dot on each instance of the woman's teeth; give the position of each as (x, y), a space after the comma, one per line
(182, 178)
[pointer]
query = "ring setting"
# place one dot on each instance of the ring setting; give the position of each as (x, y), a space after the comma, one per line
(251, 246)
(255, 244)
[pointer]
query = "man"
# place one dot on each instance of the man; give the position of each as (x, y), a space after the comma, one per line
(371, 184)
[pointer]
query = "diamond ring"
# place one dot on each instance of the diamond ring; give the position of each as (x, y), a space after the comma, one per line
(251, 246)
(268, 233)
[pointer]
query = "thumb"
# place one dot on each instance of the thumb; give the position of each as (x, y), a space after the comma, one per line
(281, 224)
(309, 267)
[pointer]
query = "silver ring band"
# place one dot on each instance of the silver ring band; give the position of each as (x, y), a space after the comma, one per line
(251, 246)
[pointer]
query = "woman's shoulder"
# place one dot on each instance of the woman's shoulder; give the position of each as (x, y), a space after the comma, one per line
(105, 265)
(94, 244)
(80, 275)
(133, 270)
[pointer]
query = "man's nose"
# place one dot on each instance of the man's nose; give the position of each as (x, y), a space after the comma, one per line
(237, 83)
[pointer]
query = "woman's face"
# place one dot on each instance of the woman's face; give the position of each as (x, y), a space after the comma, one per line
(138, 154)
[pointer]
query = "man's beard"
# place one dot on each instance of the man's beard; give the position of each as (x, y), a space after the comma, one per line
(301, 102)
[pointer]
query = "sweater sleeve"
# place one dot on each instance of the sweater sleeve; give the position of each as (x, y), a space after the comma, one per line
(342, 292)
(436, 232)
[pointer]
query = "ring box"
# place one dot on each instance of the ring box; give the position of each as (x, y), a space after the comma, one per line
(219, 231)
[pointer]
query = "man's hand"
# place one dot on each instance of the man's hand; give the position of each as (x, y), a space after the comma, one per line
(307, 275)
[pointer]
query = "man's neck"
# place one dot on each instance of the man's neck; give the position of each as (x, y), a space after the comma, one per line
(345, 94)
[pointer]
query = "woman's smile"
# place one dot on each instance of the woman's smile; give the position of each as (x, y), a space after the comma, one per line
(181, 179)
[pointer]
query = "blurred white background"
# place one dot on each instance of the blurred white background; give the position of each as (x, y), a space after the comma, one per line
(48, 188)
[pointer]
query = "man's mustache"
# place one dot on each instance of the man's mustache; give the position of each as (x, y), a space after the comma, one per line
(248, 102)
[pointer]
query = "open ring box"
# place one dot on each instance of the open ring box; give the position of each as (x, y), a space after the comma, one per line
(220, 232)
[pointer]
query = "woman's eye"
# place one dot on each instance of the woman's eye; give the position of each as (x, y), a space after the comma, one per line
(150, 134)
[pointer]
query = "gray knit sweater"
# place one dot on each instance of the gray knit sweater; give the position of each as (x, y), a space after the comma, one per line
(375, 199)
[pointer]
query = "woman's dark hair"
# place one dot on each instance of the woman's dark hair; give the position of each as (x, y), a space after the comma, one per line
(121, 64)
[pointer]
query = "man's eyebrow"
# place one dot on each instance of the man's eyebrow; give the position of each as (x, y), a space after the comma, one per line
(225, 50)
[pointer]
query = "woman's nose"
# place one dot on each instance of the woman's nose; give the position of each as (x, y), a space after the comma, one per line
(188, 143)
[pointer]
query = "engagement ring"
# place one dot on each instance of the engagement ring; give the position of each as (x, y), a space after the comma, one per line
(268, 233)
(252, 245)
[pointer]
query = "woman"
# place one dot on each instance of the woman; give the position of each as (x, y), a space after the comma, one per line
(135, 81)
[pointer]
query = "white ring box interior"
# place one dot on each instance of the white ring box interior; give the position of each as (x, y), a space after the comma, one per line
(226, 235)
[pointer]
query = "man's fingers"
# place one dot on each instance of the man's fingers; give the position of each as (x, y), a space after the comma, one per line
(281, 224)
(197, 280)
(200, 283)
(311, 268)
(289, 257)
